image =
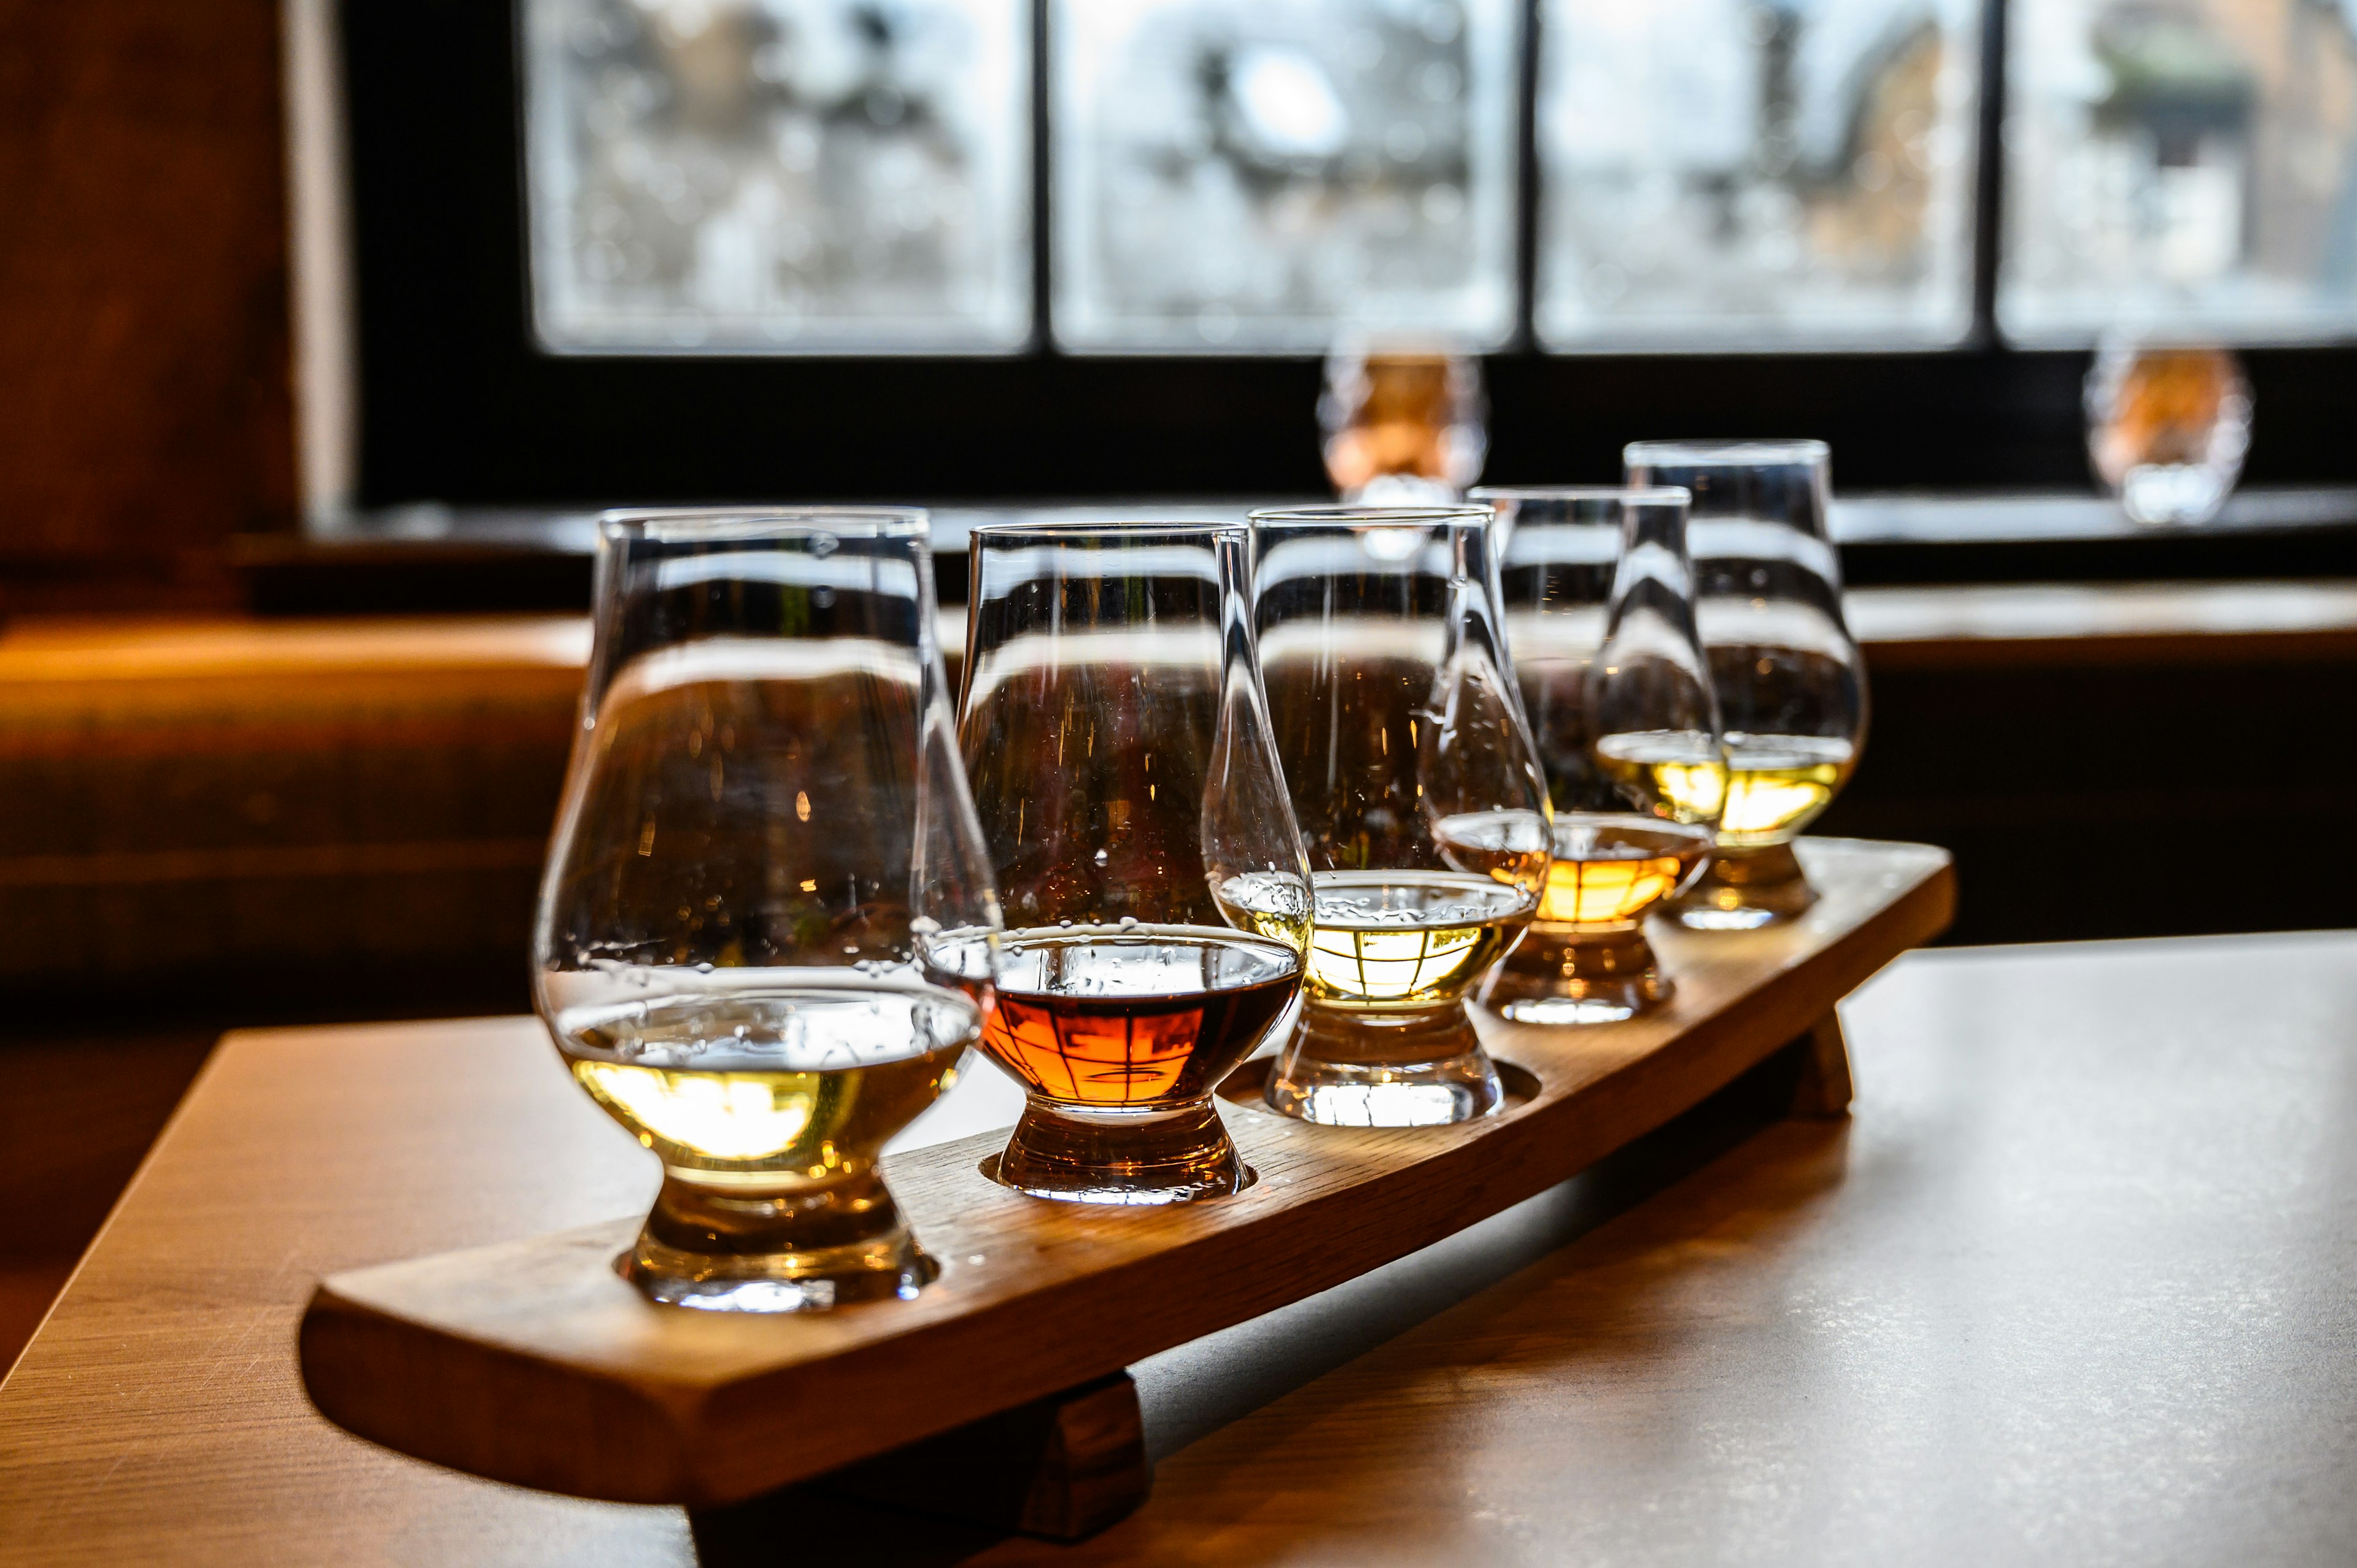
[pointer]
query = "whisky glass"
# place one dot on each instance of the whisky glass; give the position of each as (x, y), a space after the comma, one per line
(1403, 425)
(1789, 678)
(2167, 427)
(1156, 898)
(1418, 790)
(764, 823)
(1599, 616)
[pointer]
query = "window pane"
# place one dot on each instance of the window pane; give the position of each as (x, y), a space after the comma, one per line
(780, 175)
(1722, 174)
(2184, 163)
(1262, 174)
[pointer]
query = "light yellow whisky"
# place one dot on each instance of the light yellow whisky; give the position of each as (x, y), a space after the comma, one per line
(1766, 790)
(1679, 774)
(765, 1089)
(1776, 785)
(1395, 940)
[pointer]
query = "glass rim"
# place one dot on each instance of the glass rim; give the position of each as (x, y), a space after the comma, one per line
(1116, 527)
(1727, 452)
(687, 523)
(1627, 495)
(1398, 514)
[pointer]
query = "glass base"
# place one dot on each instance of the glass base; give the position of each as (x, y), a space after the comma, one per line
(1354, 1069)
(1170, 1153)
(1565, 974)
(803, 1249)
(1743, 889)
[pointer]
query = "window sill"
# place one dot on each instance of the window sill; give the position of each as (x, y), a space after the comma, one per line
(430, 558)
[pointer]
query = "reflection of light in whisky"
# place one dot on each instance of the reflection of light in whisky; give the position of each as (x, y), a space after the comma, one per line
(1600, 892)
(1134, 1015)
(1396, 939)
(768, 1086)
(1768, 787)
(1680, 772)
(1609, 869)
(1120, 1060)
(1776, 785)
(720, 1115)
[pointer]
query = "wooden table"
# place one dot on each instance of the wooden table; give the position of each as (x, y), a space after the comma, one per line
(2073, 1286)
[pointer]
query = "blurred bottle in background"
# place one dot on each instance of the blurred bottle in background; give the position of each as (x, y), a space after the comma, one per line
(2168, 426)
(1403, 425)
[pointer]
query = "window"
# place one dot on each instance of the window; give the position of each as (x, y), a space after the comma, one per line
(1265, 176)
(1259, 175)
(1034, 249)
(774, 175)
(2186, 161)
(1725, 174)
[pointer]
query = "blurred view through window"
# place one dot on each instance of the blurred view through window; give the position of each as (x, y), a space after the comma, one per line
(1722, 173)
(1259, 174)
(2186, 162)
(1277, 176)
(780, 174)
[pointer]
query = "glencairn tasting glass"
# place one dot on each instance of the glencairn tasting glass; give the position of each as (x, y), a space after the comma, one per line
(1418, 792)
(1790, 681)
(1404, 424)
(764, 823)
(1599, 616)
(2168, 426)
(1157, 903)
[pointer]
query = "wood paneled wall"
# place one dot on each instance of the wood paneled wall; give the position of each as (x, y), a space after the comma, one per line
(145, 402)
(334, 817)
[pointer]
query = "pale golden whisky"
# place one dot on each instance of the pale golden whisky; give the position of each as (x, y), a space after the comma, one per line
(1683, 772)
(763, 1089)
(1776, 785)
(1387, 939)
(1766, 790)
(1609, 869)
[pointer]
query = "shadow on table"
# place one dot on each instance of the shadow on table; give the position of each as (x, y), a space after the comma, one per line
(802, 1525)
(1191, 1392)
(1449, 1442)
(1195, 1390)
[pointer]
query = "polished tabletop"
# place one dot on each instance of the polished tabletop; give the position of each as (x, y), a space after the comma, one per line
(2077, 1283)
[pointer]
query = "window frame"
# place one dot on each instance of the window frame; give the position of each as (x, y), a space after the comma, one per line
(461, 403)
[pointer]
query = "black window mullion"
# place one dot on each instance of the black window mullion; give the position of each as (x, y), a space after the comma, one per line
(1043, 338)
(1526, 186)
(1988, 178)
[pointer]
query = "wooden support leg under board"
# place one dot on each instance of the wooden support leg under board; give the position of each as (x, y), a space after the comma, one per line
(1064, 1468)
(1824, 1087)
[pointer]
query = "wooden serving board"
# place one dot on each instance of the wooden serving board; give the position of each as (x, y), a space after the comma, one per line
(532, 1362)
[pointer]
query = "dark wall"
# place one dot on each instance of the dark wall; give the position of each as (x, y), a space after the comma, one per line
(145, 407)
(2195, 791)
